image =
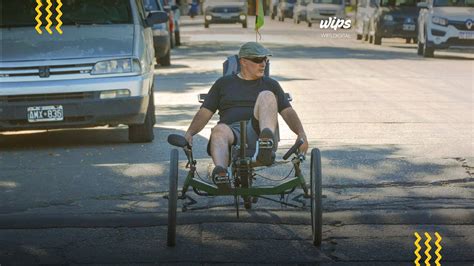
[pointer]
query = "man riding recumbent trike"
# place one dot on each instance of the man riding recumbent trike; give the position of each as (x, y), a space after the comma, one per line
(246, 138)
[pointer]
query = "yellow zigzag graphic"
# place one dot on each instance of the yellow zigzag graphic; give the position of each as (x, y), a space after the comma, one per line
(438, 255)
(428, 248)
(418, 248)
(58, 17)
(48, 16)
(37, 18)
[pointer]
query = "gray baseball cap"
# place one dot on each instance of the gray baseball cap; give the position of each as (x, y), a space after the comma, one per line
(253, 49)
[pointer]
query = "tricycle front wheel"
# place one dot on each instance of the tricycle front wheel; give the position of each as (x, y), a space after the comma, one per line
(316, 197)
(173, 198)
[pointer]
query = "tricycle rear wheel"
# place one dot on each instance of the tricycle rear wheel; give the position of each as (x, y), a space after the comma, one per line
(316, 197)
(173, 197)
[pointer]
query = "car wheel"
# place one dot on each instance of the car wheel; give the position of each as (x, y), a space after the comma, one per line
(177, 38)
(172, 40)
(316, 197)
(309, 24)
(206, 25)
(415, 40)
(366, 37)
(407, 40)
(359, 37)
(165, 60)
(144, 132)
(427, 51)
(377, 40)
(371, 39)
(420, 49)
(244, 25)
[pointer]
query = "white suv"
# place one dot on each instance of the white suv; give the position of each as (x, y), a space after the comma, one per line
(445, 24)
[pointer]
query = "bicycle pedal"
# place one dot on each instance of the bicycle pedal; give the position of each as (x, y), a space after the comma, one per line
(221, 179)
(265, 144)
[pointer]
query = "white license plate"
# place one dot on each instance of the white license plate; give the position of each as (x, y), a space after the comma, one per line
(466, 35)
(45, 113)
(224, 16)
(409, 27)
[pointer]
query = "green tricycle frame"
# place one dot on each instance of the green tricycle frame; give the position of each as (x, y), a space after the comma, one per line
(242, 173)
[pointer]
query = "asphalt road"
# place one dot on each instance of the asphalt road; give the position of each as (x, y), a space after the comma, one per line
(395, 131)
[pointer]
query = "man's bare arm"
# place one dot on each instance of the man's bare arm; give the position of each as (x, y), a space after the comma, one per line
(294, 123)
(200, 120)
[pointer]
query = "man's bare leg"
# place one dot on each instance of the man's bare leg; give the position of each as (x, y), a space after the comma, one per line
(221, 138)
(266, 110)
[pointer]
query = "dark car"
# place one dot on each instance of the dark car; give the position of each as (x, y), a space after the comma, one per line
(225, 13)
(394, 19)
(161, 35)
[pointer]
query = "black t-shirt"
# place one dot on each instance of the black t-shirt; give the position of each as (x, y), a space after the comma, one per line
(235, 97)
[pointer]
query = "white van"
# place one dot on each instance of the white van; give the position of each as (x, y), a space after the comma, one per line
(99, 71)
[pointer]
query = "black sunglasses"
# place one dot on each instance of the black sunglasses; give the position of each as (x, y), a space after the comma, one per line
(258, 60)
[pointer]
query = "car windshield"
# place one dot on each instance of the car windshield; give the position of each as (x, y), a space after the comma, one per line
(334, 2)
(458, 3)
(22, 13)
(396, 3)
(290, 1)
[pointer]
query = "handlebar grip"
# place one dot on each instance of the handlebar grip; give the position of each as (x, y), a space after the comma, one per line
(293, 149)
(177, 140)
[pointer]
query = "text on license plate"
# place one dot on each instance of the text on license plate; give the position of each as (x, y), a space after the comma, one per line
(466, 35)
(409, 27)
(45, 113)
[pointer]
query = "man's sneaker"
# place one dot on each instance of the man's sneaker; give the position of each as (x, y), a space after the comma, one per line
(265, 147)
(220, 177)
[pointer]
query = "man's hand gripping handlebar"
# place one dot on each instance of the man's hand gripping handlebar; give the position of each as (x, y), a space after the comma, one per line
(294, 150)
(180, 141)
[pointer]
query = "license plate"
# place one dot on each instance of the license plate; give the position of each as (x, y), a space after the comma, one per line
(226, 16)
(409, 27)
(466, 35)
(45, 113)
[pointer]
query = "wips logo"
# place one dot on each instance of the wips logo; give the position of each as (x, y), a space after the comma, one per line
(335, 23)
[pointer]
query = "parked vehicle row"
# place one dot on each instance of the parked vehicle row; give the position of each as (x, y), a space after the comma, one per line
(435, 24)
(100, 71)
(308, 11)
(165, 35)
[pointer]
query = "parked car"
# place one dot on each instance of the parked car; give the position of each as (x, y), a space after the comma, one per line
(299, 11)
(161, 35)
(364, 12)
(444, 24)
(98, 72)
(285, 9)
(225, 12)
(176, 19)
(394, 19)
(323, 9)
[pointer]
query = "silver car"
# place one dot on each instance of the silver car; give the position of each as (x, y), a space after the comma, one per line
(95, 69)
(323, 9)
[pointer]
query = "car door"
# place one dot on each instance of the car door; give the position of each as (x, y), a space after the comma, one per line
(148, 34)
